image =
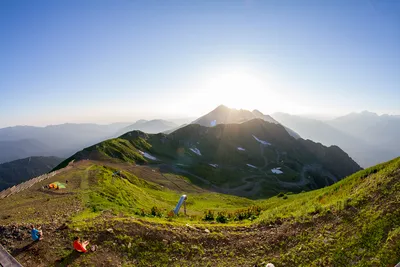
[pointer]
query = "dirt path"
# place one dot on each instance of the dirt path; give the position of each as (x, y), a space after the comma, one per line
(249, 188)
(303, 181)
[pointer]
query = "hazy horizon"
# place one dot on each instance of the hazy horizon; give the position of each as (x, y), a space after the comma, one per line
(315, 116)
(120, 61)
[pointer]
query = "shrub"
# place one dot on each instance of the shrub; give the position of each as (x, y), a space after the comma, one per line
(221, 217)
(156, 212)
(281, 194)
(285, 197)
(249, 213)
(208, 215)
(140, 212)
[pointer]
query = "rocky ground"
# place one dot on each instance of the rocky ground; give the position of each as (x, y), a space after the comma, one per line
(133, 242)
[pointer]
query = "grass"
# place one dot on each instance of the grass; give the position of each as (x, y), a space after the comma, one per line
(351, 223)
(131, 195)
(348, 192)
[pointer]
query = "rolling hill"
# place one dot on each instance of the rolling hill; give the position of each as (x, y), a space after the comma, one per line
(254, 159)
(18, 171)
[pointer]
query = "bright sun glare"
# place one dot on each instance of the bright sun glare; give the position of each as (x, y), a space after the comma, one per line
(239, 89)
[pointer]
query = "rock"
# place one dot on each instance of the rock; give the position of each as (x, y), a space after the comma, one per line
(191, 227)
(165, 241)
(110, 230)
(130, 244)
(207, 231)
(77, 229)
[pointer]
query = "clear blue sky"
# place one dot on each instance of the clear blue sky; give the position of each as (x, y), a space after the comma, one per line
(104, 61)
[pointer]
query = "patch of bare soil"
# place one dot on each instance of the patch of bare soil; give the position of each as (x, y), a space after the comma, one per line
(128, 240)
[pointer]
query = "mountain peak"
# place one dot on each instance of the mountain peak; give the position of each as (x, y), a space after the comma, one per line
(368, 113)
(221, 108)
(257, 113)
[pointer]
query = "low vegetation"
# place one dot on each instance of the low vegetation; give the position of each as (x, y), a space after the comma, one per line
(351, 223)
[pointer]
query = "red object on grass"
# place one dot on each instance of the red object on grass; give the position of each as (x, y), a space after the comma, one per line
(79, 247)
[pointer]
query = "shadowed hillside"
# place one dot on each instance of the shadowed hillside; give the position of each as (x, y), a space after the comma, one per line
(254, 159)
(18, 171)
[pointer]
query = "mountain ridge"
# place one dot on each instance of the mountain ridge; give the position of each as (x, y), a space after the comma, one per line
(224, 115)
(151, 126)
(194, 150)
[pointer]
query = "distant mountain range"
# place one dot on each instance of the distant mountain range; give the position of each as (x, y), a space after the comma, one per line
(54, 140)
(368, 138)
(382, 131)
(18, 171)
(65, 139)
(16, 149)
(255, 158)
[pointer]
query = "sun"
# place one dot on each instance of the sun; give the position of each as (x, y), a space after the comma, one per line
(237, 89)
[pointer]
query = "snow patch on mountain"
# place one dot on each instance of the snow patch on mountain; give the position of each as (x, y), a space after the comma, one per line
(262, 141)
(214, 165)
(147, 155)
(252, 166)
(196, 151)
(277, 170)
(241, 148)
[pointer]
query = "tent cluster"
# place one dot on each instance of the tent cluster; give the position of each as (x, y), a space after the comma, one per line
(56, 185)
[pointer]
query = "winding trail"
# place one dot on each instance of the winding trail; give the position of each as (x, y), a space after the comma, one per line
(251, 188)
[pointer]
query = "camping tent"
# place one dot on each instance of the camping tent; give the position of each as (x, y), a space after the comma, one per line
(56, 185)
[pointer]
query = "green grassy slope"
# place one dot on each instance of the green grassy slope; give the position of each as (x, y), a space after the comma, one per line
(354, 222)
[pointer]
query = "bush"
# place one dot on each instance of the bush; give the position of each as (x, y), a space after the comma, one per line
(156, 212)
(249, 213)
(281, 194)
(221, 217)
(208, 215)
(142, 212)
(285, 197)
